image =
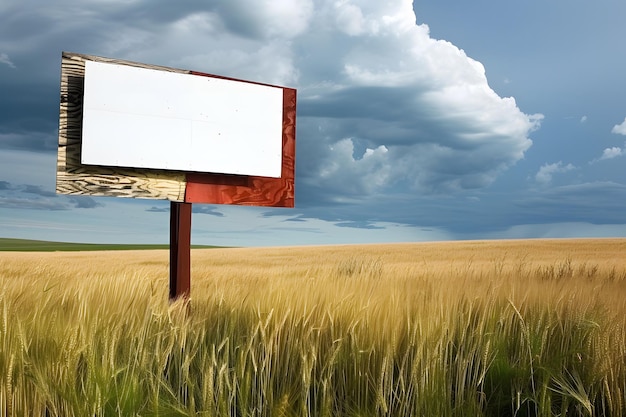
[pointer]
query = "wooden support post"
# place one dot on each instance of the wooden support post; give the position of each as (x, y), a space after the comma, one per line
(180, 250)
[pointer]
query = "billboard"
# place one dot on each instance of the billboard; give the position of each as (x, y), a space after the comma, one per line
(135, 130)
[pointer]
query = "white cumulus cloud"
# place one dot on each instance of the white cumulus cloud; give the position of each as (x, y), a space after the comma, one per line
(386, 82)
(367, 170)
(620, 129)
(614, 152)
(547, 171)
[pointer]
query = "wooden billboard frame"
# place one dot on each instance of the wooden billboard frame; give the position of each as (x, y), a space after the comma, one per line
(179, 187)
(74, 178)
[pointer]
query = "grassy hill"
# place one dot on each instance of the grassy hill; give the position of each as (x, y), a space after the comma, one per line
(25, 245)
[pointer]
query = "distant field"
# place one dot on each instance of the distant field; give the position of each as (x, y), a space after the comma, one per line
(450, 329)
(25, 245)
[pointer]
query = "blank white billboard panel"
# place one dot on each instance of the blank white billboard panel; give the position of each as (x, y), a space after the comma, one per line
(146, 118)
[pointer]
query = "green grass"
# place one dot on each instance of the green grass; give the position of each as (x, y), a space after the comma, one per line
(25, 245)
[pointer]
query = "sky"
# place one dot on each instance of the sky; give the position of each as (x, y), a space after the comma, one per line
(416, 121)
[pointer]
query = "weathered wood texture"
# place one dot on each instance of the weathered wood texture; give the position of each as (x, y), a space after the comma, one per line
(78, 179)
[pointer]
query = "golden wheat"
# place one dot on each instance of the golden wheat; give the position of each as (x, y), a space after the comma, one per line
(456, 328)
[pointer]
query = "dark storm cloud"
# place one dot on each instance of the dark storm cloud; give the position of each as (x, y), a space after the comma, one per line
(157, 12)
(29, 141)
(29, 115)
(471, 214)
(597, 202)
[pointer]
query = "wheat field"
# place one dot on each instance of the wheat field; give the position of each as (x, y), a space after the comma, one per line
(483, 328)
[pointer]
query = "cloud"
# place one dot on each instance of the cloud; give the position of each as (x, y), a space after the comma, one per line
(422, 108)
(30, 197)
(364, 172)
(546, 172)
(206, 209)
(269, 19)
(598, 202)
(21, 203)
(614, 152)
(297, 219)
(29, 140)
(85, 202)
(155, 209)
(620, 129)
(359, 225)
(610, 153)
(4, 59)
(275, 227)
(583, 119)
(21, 196)
(37, 190)
(382, 105)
